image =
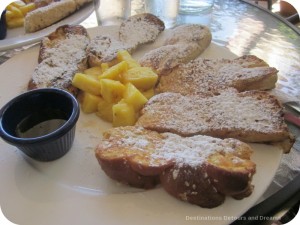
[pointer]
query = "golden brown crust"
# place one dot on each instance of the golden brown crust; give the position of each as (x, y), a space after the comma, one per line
(119, 169)
(191, 185)
(200, 169)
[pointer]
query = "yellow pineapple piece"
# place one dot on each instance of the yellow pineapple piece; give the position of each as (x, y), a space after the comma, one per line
(142, 78)
(15, 22)
(105, 110)
(17, 13)
(90, 103)
(94, 71)
(111, 90)
(149, 93)
(114, 72)
(124, 55)
(27, 8)
(18, 4)
(9, 15)
(134, 97)
(104, 66)
(93, 76)
(86, 83)
(123, 114)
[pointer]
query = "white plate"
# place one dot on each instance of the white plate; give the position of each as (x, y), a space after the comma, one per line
(17, 37)
(74, 190)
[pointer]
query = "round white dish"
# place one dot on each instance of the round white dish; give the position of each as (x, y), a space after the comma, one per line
(74, 190)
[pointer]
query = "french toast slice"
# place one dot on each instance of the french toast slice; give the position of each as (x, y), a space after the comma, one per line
(207, 76)
(140, 29)
(185, 43)
(133, 32)
(201, 170)
(250, 116)
(61, 55)
(104, 49)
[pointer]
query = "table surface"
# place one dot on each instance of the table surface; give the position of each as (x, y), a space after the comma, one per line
(245, 29)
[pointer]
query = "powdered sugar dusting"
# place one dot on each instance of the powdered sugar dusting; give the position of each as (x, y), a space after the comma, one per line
(183, 44)
(254, 112)
(167, 146)
(189, 150)
(61, 62)
(207, 76)
(106, 47)
(143, 28)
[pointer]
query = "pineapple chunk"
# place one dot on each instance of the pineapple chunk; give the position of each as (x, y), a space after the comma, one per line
(9, 15)
(27, 8)
(111, 90)
(115, 71)
(86, 83)
(93, 76)
(94, 71)
(104, 66)
(18, 4)
(105, 110)
(123, 114)
(15, 10)
(134, 97)
(124, 55)
(142, 78)
(149, 93)
(90, 103)
(15, 22)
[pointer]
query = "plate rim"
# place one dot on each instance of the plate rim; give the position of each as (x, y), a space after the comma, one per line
(151, 193)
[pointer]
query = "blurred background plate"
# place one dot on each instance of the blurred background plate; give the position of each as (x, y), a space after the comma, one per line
(17, 37)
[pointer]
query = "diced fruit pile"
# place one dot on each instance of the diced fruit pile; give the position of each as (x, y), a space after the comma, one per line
(15, 13)
(116, 93)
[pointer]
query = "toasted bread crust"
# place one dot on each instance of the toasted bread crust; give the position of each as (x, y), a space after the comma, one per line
(192, 188)
(194, 169)
(208, 76)
(252, 116)
(118, 169)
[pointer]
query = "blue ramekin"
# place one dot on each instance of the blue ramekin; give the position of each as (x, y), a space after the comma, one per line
(52, 145)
